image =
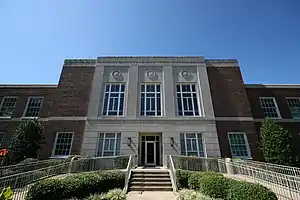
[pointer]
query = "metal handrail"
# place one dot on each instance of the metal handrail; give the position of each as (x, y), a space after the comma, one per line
(173, 174)
(128, 174)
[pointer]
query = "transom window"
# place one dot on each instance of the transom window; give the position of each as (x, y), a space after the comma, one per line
(33, 107)
(294, 104)
(63, 144)
(113, 100)
(191, 144)
(187, 100)
(1, 138)
(238, 145)
(108, 144)
(7, 106)
(150, 100)
(270, 108)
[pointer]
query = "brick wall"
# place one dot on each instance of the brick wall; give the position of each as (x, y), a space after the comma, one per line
(73, 92)
(228, 92)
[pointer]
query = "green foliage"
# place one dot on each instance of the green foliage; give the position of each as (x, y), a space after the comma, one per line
(194, 180)
(6, 194)
(186, 194)
(182, 177)
(214, 186)
(277, 144)
(241, 190)
(26, 141)
(77, 186)
(121, 162)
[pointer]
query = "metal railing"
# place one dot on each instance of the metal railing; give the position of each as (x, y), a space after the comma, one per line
(27, 166)
(171, 167)
(129, 167)
(20, 182)
(283, 169)
(283, 185)
(197, 164)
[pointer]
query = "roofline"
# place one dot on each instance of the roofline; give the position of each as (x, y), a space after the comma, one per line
(28, 85)
(272, 85)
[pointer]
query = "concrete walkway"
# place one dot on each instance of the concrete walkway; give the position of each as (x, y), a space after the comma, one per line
(149, 195)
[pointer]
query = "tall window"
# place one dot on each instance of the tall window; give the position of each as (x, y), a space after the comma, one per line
(7, 106)
(63, 144)
(187, 100)
(239, 145)
(113, 100)
(150, 100)
(108, 144)
(33, 107)
(1, 138)
(191, 144)
(270, 108)
(294, 104)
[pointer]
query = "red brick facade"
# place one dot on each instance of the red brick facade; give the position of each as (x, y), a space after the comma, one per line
(65, 106)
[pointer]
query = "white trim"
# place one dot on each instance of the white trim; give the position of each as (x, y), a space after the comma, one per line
(154, 154)
(234, 119)
(155, 99)
(294, 98)
(289, 120)
(180, 84)
(197, 143)
(2, 102)
(109, 139)
(276, 107)
(26, 107)
(109, 96)
(246, 143)
(272, 85)
(54, 146)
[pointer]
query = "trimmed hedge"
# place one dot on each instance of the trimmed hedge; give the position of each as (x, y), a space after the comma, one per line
(215, 185)
(242, 190)
(76, 186)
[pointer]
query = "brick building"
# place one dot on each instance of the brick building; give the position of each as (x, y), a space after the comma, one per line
(150, 107)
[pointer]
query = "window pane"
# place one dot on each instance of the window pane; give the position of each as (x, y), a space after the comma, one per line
(152, 99)
(7, 107)
(187, 100)
(238, 145)
(269, 107)
(33, 106)
(114, 100)
(63, 144)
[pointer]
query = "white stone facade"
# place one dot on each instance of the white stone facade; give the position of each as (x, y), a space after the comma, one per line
(167, 72)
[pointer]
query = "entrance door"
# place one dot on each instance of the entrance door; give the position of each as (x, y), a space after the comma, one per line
(150, 155)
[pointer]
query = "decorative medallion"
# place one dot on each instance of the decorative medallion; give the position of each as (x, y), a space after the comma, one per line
(116, 74)
(151, 74)
(185, 74)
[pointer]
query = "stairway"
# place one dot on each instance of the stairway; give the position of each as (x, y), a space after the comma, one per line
(150, 180)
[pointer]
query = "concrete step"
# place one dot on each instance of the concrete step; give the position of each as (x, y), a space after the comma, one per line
(151, 175)
(151, 179)
(135, 183)
(150, 188)
(150, 172)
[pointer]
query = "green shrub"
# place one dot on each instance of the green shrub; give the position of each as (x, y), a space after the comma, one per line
(242, 190)
(115, 194)
(182, 177)
(77, 186)
(6, 194)
(195, 178)
(214, 186)
(186, 194)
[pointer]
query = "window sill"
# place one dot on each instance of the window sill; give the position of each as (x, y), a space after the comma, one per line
(5, 117)
(25, 118)
(59, 157)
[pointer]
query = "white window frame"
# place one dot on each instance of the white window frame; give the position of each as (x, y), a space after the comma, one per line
(103, 143)
(246, 143)
(287, 98)
(197, 144)
(145, 99)
(182, 104)
(2, 138)
(54, 146)
(28, 100)
(276, 107)
(119, 98)
(2, 102)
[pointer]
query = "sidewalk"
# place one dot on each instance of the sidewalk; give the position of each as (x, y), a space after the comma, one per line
(151, 195)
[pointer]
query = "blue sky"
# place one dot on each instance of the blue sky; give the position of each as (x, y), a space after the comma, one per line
(36, 36)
